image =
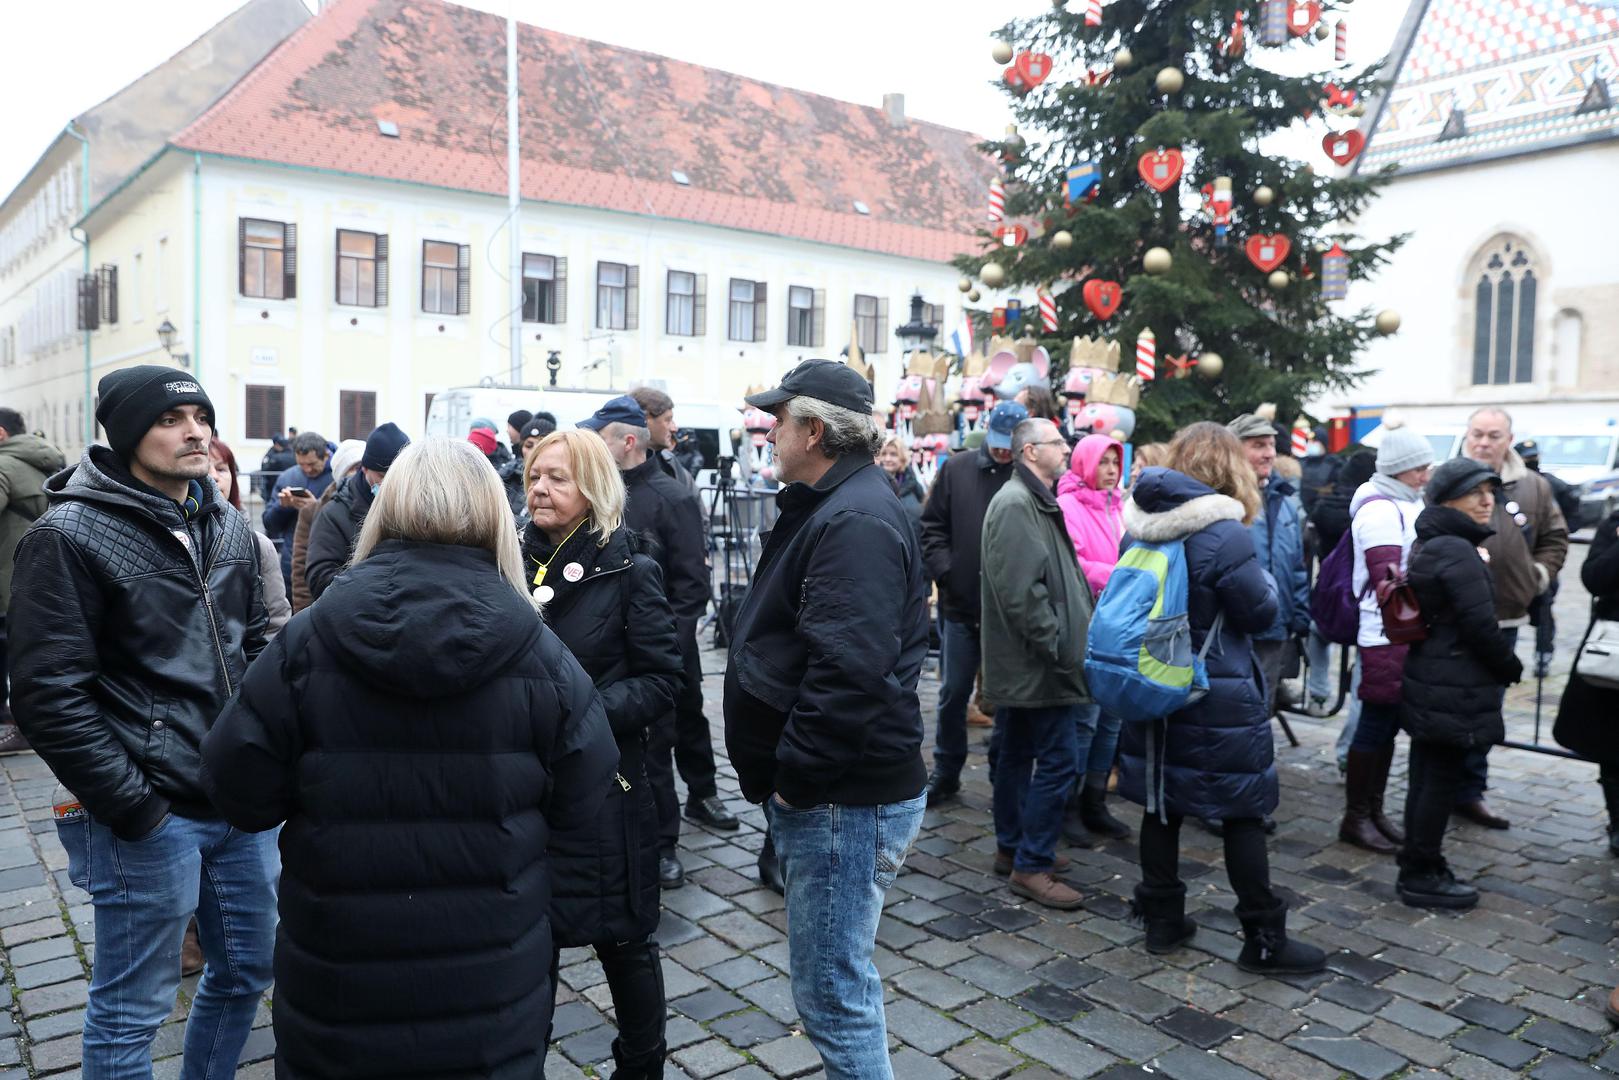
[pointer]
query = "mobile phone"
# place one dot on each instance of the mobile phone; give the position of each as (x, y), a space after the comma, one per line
(297, 492)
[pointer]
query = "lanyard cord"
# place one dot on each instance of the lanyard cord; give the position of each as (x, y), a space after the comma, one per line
(544, 567)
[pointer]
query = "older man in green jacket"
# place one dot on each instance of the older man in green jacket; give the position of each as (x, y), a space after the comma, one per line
(1036, 610)
(26, 461)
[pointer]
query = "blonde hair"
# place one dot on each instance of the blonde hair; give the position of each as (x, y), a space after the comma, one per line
(442, 491)
(595, 473)
(895, 441)
(1152, 454)
(1288, 468)
(1208, 452)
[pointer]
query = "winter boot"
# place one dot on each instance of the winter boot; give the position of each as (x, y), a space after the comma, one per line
(1610, 794)
(1380, 782)
(1073, 822)
(635, 979)
(1430, 884)
(1357, 826)
(1267, 950)
(1093, 809)
(1162, 911)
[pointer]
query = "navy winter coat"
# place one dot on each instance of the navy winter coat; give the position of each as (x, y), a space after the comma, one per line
(1217, 758)
(1278, 541)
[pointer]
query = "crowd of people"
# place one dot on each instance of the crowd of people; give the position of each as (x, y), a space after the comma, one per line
(419, 734)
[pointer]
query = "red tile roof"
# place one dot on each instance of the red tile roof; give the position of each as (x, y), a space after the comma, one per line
(603, 127)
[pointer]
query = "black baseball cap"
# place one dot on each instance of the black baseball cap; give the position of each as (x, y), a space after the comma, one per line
(824, 380)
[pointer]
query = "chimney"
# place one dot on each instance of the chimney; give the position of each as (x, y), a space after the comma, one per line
(894, 109)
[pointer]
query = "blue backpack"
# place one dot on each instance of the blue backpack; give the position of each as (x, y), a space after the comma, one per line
(1139, 662)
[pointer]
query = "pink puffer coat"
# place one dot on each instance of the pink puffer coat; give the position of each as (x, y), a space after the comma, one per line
(1094, 518)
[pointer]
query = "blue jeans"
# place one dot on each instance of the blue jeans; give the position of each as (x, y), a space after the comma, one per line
(1476, 764)
(958, 669)
(1038, 757)
(1346, 736)
(1377, 727)
(144, 892)
(1099, 731)
(1318, 650)
(837, 863)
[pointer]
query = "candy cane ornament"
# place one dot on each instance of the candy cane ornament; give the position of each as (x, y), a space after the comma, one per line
(1093, 12)
(1146, 355)
(1340, 41)
(1048, 311)
(997, 200)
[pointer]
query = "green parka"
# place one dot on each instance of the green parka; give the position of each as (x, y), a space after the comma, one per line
(26, 461)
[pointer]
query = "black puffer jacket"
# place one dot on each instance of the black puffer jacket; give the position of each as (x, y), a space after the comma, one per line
(332, 536)
(420, 752)
(1454, 678)
(130, 626)
(1330, 515)
(616, 621)
(511, 479)
(661, 508)
(952, 527)
(1585, 716)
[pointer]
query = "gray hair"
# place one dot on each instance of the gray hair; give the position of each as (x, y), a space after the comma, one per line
(309, 442)
(1029, 431)
(643, 437)
(847, 432)
(1490, 410)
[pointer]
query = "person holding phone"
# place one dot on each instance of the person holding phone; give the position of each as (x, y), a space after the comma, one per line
(296, 488)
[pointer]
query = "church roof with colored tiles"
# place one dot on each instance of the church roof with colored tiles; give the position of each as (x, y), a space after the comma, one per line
(603, 127)
(1483, 79)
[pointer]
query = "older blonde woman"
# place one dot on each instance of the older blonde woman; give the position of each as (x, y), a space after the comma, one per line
(421, 733)
(603, 595)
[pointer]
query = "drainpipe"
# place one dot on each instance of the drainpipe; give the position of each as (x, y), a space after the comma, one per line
(196, 265)
(84, 241)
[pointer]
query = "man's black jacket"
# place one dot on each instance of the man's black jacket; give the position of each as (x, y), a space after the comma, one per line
(820, 690)
(953, 525)
(667, 512)
(130, 627)
(332, 536)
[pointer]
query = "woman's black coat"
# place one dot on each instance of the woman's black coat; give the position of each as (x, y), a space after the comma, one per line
(420, 732)
(1588, 716)
(618, 623)
(1455, 678)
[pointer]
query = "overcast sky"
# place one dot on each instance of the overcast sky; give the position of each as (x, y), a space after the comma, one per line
(62, 57)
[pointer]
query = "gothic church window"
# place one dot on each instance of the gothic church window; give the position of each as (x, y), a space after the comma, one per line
(1504, 293)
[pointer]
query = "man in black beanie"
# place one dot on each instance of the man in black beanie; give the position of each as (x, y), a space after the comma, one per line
(515, 423)
(331, 538)
(136, 608)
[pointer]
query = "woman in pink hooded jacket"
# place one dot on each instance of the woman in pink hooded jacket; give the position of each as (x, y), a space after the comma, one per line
(1093, 509)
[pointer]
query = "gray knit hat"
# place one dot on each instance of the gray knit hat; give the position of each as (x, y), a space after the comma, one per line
(1401, 449)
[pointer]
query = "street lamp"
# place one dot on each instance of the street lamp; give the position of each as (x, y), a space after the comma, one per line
(165, 336)
(916, 334)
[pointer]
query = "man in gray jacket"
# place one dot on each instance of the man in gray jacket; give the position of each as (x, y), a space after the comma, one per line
(26, 461)
(1036, 610)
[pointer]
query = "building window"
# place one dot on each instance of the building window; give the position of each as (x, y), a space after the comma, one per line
(266, 258)
(686, 312)
(1504, 297)
(362, 269)
(618, 295)
(746, 317)
(871, 323)
(545, 289)
(98, 298)
(806, 316)
(356, 413)
(446, 278)
(266, 411)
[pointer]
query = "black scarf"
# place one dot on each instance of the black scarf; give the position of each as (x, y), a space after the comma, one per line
(580, 547)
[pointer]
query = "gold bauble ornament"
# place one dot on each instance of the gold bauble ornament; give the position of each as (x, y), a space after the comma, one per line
(1062, 239)
(1210, 364)
(1170, 80)
(1157, 261)
(1013, 142)
(1123, 59)
(1264, 195)
(993, 274)
(1279, 280)
(1388, 321)
(965, 284)
(975, 296)
(1001, 52)
(1321, 31)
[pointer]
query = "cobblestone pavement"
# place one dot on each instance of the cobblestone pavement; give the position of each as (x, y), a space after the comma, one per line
(983, 985)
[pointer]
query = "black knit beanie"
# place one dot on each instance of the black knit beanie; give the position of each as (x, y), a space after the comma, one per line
(382, 446)
(130, 400)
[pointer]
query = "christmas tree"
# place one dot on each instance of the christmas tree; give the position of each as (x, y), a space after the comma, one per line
(1157, 77)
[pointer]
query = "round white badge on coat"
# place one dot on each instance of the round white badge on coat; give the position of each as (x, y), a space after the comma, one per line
(573, 572)
(545, 592)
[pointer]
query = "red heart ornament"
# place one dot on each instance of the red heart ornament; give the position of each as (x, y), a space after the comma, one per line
(1342, 146)
(1302, 17)
(1161, 169)
(1011, 235)
(1032, 67)
(1102, 297)
(1268, 252)
(1012, 79)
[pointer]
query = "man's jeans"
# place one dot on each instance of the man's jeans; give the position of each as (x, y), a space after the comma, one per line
(837, 862)
(1346, 736)
(1097, 740)
(1037, 758)
(1476, 767)
(144, 892)
(1318, 651)
(958, 669)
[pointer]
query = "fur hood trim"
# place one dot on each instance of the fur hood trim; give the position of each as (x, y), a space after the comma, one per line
(1189, 517)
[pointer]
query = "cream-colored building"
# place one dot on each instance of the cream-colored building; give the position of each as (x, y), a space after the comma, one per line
(328, 241)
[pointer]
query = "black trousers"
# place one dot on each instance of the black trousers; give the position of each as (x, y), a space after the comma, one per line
(1247, 865)
(5, 669)
(635, 977)
(680, 740)
(1437, 772)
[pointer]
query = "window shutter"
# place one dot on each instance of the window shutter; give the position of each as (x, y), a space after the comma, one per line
(423, 285)
(109, 293)
(289, 262)
(241, 256)
(560, 315)
(337, 274)
(699, 307)
(759, 309)
(382, 282)
(818, 330)
(882, 324)
(463, 280)
(632, 298)
(89, 303)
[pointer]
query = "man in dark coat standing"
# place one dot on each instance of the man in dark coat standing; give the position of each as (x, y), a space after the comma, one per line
(952, 524)
(26, 461)
(821, 713)
(666, 512)
(332, 536)
(136, 608)
(312, 473)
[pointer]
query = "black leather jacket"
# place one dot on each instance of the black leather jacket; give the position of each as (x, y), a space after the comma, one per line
(130, 626)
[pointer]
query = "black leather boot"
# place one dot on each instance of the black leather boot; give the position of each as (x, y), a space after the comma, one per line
(770, 867)
(1093, 809)
(1432, 885)
(1163, 913)
(1267, 950)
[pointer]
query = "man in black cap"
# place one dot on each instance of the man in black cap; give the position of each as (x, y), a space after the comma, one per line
(515, 423)
(666, 511)
(331, 538)
(821, 713)
(136, 608)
